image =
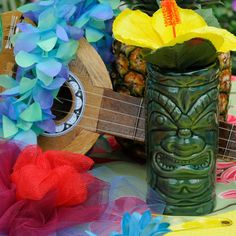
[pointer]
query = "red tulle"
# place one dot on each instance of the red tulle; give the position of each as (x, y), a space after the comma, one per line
(43, 217)
(37, 173)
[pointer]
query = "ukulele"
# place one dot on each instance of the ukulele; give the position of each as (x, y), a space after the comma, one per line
(87, 106)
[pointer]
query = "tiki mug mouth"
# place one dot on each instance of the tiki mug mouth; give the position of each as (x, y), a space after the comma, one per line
(196, 165)
(184, 181)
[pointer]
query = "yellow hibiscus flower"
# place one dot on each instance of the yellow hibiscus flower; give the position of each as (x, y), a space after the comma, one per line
(138, 29)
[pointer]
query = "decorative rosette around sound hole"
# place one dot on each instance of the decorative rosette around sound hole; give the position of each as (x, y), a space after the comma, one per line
(68, 107)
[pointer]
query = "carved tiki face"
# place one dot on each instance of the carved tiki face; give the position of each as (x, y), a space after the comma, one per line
(182, 137)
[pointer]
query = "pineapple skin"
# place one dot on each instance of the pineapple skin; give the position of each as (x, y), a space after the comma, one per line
(129, 70)
(225, 84)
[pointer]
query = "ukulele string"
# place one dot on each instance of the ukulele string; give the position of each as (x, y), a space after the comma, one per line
(224, 139)
(89, 128)
(121, 125)
(124, 114)
(110, 98)
(124, 102)
(131, 127)
(227, 149)
(101, 108)
(105, 121)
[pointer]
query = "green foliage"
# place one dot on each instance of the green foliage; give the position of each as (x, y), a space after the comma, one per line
(226, 16)
(209, 17)
(194, 4)
(148, 6)
(188, 56)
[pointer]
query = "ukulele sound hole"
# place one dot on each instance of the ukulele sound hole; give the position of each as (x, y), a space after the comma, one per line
(62, 105)
(68, 106)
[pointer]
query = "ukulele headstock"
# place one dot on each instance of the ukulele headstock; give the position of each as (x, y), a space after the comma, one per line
(8, 23)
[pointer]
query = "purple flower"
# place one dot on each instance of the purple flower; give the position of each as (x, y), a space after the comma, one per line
(234, 5)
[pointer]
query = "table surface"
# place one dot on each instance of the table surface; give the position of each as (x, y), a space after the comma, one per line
(123, 168)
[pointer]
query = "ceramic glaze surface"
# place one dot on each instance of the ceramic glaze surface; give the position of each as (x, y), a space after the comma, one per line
(182, 138)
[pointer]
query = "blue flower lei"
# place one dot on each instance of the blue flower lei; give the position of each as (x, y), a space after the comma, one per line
(42, 53)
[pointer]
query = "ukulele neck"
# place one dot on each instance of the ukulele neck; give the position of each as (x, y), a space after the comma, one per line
(124, 116)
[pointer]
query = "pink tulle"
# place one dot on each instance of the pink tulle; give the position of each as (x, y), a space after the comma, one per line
(43, 217)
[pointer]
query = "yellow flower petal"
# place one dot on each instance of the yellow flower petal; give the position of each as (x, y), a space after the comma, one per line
(204, 33)
(190, 20)
(220, 38)
(229, 40)
(135, 28)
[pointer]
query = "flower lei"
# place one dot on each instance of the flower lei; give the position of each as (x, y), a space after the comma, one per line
(42, 53)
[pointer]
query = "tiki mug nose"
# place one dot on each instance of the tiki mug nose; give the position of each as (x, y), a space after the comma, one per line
(183, 146)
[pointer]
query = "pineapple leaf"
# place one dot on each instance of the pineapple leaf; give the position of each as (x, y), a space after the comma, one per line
(191, 55)
(196, 4)
(150, 6)
(147, 6)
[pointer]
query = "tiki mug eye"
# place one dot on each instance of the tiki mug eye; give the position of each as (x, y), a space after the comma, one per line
(160, 119)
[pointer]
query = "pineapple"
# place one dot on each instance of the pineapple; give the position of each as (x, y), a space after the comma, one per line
(225, 84)
(129, 69)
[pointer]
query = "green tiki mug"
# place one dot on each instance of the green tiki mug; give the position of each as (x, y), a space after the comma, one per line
(182, 138)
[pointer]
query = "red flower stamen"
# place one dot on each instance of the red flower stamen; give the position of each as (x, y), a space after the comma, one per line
(171, 14)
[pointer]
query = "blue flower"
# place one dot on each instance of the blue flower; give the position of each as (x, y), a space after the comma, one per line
(136, 224)
(42, 53)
